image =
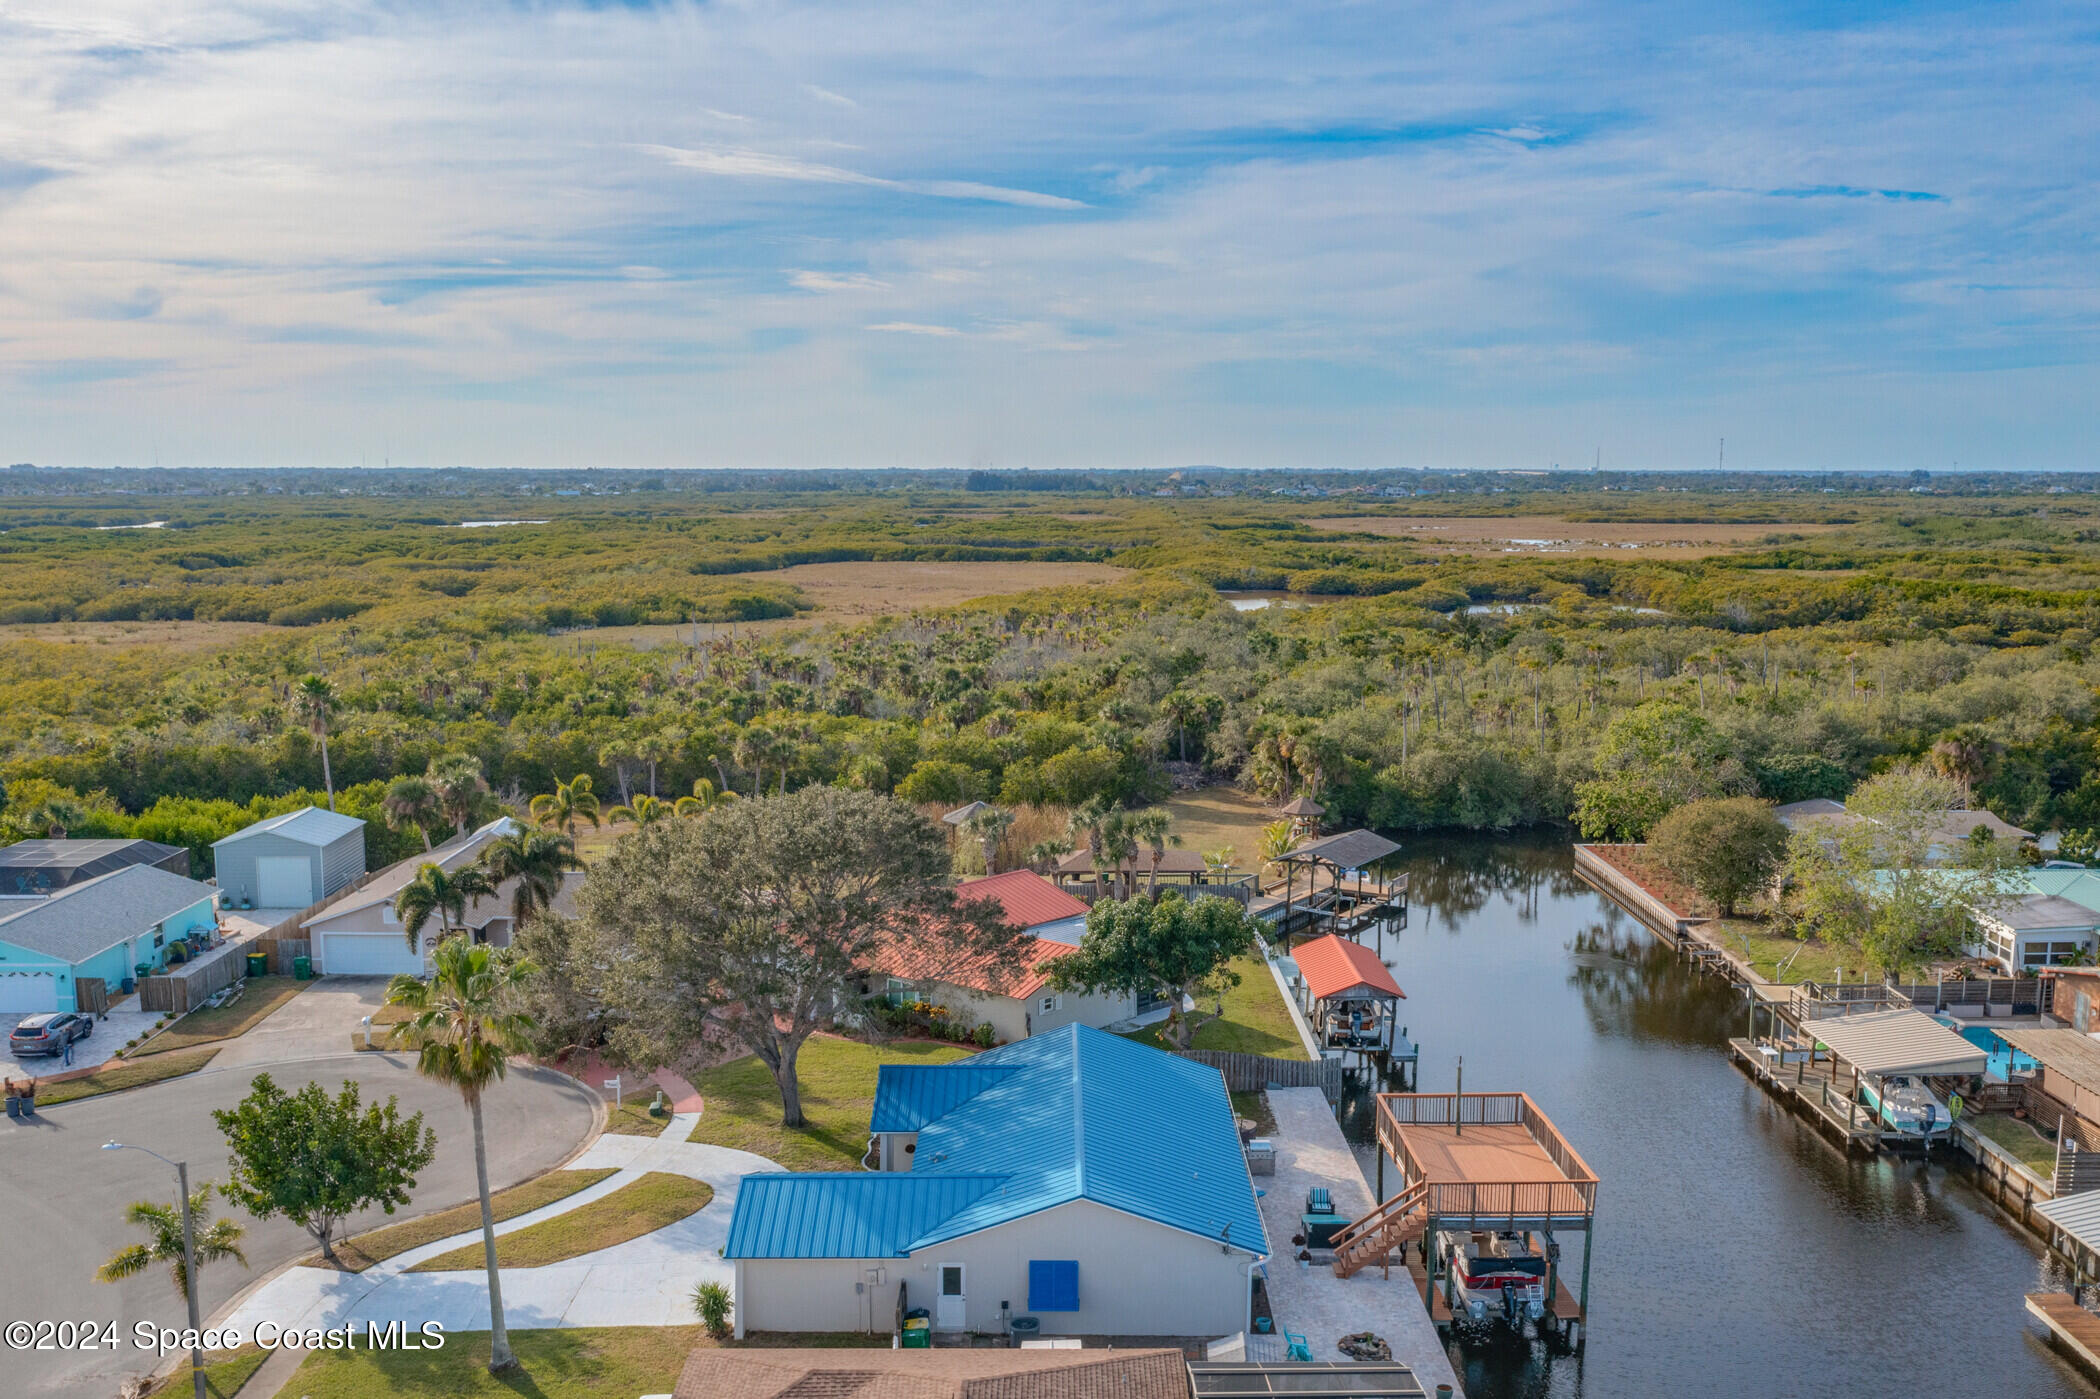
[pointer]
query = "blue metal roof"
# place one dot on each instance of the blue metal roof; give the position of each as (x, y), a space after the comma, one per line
(1076, 1114)
(908, 1096)
(845, 1214)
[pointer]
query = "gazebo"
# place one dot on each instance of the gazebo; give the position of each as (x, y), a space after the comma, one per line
(1347, 994)
(1305, 814)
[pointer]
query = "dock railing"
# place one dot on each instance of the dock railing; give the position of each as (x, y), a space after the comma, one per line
(1573, 1197)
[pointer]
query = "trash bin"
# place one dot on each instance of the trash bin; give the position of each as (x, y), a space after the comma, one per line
(303, 968)
(1025, 1328)
(258, 964)
(918, 1333)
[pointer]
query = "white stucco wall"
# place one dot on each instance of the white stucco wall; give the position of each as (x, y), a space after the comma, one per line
(1013, 1019)
(1136, 1278)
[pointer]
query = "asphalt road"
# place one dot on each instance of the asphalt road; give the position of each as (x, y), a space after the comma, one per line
(62, 1198)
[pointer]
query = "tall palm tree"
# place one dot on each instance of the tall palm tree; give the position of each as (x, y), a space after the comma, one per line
(990, 826)
(705, 798)
(643, 810)
(459, 785)
(411, 803)
(568, 803)
(464, 1024)
(1277, 838)
(214, 1241)
(536, 860)
(1119, 845)
(313, 700)
(1088, 823)
(1152, 828)
(446, 893)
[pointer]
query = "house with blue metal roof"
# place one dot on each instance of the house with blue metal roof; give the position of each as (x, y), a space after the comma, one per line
(1077, 1177)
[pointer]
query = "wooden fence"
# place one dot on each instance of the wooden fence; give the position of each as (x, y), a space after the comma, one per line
(1249, 1073)
(185, 987)
(281, 951)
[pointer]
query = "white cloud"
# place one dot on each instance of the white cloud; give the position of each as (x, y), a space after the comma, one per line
(830, 98)
(946, 332)
(835, 281)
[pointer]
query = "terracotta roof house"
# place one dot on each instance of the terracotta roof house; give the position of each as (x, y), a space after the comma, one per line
(1015, 1001)
(933, 1374)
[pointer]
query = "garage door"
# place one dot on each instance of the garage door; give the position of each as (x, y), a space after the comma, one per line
(284, 881)
(367, 954)
(25, 992)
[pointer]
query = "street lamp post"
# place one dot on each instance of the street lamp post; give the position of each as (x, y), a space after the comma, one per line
(189, 1260)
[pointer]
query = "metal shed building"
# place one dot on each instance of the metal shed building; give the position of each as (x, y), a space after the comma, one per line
(290, 861)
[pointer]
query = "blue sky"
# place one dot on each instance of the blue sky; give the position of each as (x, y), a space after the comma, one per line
(325, 232)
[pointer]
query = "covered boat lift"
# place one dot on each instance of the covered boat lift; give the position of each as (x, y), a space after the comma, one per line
(1821, 1061)
(1348, 996)
(2074, 1232)
(1354, 897)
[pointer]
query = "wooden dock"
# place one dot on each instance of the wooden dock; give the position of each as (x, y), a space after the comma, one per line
(1814, 1086)
(2072, 1326)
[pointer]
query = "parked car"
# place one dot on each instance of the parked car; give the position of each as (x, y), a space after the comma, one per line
(48, 1034)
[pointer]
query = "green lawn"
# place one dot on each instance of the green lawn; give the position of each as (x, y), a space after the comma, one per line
(657, 1199)
(125, 1073)
(1255, 1108)
(1256, 1020)
(632, 1119)
(611, 1362)
(838, 1098)
(1765, 950)
(225, 1371)
(2026, 1145)
(356, 1255)
(262, 995)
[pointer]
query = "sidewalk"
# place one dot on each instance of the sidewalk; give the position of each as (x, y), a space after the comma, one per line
(643, 1282)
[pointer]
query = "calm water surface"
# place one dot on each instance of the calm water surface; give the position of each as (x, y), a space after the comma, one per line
(1738, 1253)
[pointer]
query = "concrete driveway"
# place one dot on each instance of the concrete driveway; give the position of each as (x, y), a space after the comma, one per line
(315, 1024)
(62, 1198)
(125, 1021)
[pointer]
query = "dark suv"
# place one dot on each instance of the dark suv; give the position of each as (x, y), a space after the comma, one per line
(48, 1034)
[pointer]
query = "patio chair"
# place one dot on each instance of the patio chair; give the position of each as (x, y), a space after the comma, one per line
(1318, 1201)
(1300, 1348)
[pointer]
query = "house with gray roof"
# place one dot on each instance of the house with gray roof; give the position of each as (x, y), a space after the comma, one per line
(106, 928)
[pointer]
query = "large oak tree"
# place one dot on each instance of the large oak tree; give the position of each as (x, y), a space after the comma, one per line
(756, 923)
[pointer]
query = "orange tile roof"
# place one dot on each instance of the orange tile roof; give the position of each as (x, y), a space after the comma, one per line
(927, 959)
(1027, 897)
(1334, 964)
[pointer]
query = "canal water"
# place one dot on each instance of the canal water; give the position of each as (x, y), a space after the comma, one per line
(1737, 1252)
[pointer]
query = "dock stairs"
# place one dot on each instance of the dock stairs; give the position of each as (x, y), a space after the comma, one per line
(1400, 1220)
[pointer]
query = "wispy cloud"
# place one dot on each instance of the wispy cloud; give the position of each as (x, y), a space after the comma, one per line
(760, 165)
(830, 98)
(945, 332)
(835, 281)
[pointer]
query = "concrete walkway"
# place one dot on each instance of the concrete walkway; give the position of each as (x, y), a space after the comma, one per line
(644, 1282)
(1312, 1301)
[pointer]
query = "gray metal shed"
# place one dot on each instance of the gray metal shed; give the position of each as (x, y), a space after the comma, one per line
(290, 861)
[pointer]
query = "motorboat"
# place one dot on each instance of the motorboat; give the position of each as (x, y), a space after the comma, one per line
(1495, 1275)
(1906, 1104)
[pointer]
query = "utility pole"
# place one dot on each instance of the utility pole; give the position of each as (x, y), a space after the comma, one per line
(189, 1260)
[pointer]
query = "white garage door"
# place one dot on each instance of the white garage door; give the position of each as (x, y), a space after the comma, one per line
(284, 881)
(367, 954)
(24, 992)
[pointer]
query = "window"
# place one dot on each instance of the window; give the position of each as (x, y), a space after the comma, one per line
(388, 915)
(1053, 1285)
(1051, 1003)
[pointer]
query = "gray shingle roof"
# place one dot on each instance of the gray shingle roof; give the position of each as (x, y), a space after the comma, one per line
(454, 854)
(309, 824)
(83, 919)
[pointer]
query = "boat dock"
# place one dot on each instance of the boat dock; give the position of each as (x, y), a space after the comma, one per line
(2070, 1325)
(1815, 1084)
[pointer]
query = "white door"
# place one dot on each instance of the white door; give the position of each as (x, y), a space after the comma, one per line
(24, 993)
(948, 1310)
(367, 954)
(284, 881)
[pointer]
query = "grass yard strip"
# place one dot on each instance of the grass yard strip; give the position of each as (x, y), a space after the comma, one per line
(1255, 1108)
(584, 1362)
(362, 1252)
(120, 1074)
(225, 1371)
(1766, 950)
(1256, 1021)
(656, 1200)
(382, 1019)
(2025, 1145)
(838, 1099)
(632, 1119)
(203, 1026)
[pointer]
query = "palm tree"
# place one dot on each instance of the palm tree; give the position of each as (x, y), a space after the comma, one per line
(313, 700)
(443, 892)
(568, 803)
(213, 1242)
(705, 798)
(754, 747)
(1119, 845)
(1219, 861)
(1151, 828)
(1045, 853)
(536, 860)
(1965, 754)
(459, 785)
(643, 810)
(1277, 838)
(990, 826)
(411, 803)
(1089, 822)
(464, 1025)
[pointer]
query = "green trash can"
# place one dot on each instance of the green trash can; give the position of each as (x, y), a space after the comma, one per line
(258, 964)
(917, 1337)
(303, 968)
